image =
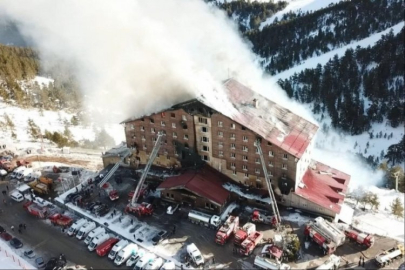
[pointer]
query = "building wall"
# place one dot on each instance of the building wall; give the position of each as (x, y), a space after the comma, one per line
(293, 200)
(107, 160)
(303, 163)
(197, 202)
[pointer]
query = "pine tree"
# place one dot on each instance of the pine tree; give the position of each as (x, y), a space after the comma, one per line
(397, 208)
(33, 129)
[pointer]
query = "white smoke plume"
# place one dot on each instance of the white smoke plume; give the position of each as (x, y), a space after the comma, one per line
(134, 57)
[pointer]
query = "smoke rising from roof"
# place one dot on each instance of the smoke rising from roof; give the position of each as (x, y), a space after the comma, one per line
(137, 57)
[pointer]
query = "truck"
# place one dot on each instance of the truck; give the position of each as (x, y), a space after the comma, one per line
(46, 180)
(250, 243)
(325, 234)
(142, 209)
(155, 264)
(227, 230)
(106, 246)
(61, 220)
(76, 226)
(363, 239)
(98, 240)
(386, 257)
(244, 232)
(260, 217)
(39, 187)
(332, 263)
(265, 263)
(23, 173)
(85, 230)
(203, 219)
(195, 254)
(144, 260)
(36, 210)
(125, 253)
(92, 234)
(120, 245)
(110, 191)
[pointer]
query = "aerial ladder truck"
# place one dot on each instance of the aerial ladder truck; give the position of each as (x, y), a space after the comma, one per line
(277, 220)
(144, 209)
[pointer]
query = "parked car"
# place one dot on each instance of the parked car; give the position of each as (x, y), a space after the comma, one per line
(29, 254)
(159, 237)
(17, 196)
(70, 196)
(39, 262)
(16, 243)
(2, 230)
(89, 205)
(6, 236)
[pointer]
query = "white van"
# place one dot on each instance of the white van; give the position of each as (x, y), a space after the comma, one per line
(85, 230)
(147, 258)
(93, 234)
(41, 202)
(136, 257)
(195, 254)
(17, 171)
(17, 196)
(155, 264)
(117, 248)
(24, 173)
(169, 265)
(98, 240)
(23, 189)
(125, 253)
(76, 226)
(32, 177)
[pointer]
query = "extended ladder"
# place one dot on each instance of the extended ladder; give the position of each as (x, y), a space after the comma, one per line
(113, 169)
(152, 157)
(269, 187)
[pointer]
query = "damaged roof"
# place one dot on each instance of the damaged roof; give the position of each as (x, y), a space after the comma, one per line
(324, 186)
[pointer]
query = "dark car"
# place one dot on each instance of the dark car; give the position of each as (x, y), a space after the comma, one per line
(2, 230)
(5, 236)
(70, 196)
(16, 243)
(94, 206)
(104, 211)
(55, 263)
(90, 205)
(159, 237)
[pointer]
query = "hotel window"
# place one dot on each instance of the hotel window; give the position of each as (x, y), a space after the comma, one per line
(202, 120)
(284, 166)
(244, 167)
(233, 155)
(164, 132)
(244, 148)
(233, 146)
(175, 152)
(259, 183)
(245, 138)
(257, 171)
(205, 158)
(204, 129)
(142, 119)
(285, 156)
(220, 124)
(174, 135)
(173, 125)
(246, 175)
(220, 134)
(243, 128)
(185, 136)
(220, 144)
(232, 126)
(184, 117)
(245, 158)
(257, 160)
(205, 148)
(232, 165)
(271, 164)
(162, 123)
(186, 145)
(221, 153)
(269, 144)
(153, 139)
(271, 154)
(143, 137)
(233, 136)
(142, 128)
(205, 139)
(152, 121)
(152, 130)
(270, 173)
(173, 115)
(234, 172)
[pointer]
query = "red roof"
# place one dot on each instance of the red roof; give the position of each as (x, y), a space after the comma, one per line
(204, 183)
(324, 186)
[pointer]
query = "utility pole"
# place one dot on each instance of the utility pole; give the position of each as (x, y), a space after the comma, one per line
(396, 175)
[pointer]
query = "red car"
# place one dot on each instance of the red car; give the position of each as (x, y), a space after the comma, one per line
(5, 236)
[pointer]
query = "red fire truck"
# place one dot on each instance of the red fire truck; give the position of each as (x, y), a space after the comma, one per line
(244, 232)
(250, 243)
(226, 230)
(363, 239)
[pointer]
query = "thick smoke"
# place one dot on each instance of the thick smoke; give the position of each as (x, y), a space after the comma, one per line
(137, 57)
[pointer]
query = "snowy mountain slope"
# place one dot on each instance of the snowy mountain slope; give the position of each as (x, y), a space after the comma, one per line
(324, 58)
(299, 5)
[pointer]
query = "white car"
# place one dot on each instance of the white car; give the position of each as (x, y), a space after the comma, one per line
(41, 202)
(17, 196)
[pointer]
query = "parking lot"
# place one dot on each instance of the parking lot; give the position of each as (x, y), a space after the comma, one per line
(49, 241)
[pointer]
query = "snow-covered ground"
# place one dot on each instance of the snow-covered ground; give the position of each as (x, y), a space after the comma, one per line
(9, 259)
(296, 5)
(324, 58)
(234, 188)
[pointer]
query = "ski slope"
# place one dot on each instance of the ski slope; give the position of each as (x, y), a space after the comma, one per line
(324, 58)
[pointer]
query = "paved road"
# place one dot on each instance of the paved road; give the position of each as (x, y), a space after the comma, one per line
(48, 240)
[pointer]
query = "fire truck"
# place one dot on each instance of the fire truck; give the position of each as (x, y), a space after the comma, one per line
(259, 217)
(143, 192)
(363, 239)
(226, 230)
(36, 210)
(244, 232)
(325, 234)
(250, 243)
(386, 257)
(61, 220)
(110, 191)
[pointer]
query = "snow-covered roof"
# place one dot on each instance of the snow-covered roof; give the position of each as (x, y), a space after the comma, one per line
(120, 149)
